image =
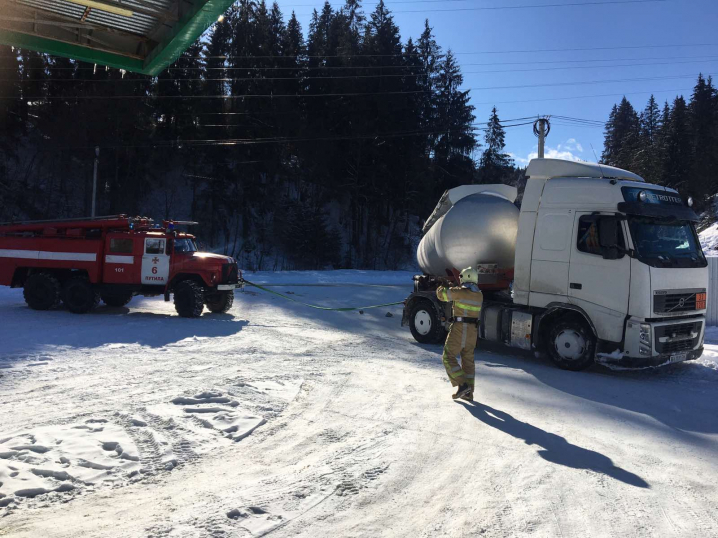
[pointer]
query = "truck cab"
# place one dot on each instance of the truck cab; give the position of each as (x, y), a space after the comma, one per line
(621, 254)
(606, 267)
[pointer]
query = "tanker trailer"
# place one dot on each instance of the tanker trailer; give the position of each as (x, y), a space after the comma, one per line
(472, 225)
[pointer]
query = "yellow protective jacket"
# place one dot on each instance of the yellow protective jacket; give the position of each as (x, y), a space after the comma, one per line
(466, 302)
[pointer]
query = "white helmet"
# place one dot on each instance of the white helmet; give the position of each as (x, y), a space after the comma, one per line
(469, 276)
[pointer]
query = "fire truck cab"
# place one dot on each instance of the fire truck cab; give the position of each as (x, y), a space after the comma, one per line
(80, 262)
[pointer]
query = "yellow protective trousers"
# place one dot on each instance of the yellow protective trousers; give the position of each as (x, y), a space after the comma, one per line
(461, 341)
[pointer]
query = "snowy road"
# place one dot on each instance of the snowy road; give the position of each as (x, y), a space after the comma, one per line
(277, 419)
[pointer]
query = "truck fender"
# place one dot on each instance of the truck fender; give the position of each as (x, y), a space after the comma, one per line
(554, 310)
(176, 279)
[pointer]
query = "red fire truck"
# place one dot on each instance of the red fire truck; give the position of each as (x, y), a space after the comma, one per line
(80, 262)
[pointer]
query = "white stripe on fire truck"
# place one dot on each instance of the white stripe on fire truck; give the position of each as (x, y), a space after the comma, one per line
(43, 255)
(119, 259)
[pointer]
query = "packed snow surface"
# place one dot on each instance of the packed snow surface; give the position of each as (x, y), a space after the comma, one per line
(283, 420)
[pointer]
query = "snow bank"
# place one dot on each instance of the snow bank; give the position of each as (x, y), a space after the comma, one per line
(709, 239)
(710, 353)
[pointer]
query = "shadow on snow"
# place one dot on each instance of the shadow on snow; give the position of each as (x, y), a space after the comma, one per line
(31, 332)
(553, 448)
(681, 396)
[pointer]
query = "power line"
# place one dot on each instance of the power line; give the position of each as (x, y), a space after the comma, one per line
(569, 98)
(530, 51)
(379, 67)
(354, 94)
(532, 6)
(301, 78)
(532, 118)
(269, 140)
(579, 120)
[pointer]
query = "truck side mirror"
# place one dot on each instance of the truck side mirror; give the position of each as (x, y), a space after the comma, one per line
(608, 237)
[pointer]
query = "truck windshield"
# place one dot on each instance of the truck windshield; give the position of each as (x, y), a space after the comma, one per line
(185, 244)
(662, 243)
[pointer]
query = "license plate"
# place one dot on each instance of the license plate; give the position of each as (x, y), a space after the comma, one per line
(678, 357)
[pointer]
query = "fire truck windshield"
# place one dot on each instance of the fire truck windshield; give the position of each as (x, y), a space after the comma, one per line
(185, 244)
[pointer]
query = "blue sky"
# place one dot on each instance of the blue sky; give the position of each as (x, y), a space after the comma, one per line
(569, 29)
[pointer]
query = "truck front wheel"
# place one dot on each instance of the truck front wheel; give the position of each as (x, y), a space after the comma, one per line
(189, 300)
(571, 344)
(425, 325)
(219, 302)
(78, 295)
(42, 291)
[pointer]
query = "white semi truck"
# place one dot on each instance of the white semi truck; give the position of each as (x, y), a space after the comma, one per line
(596, 263)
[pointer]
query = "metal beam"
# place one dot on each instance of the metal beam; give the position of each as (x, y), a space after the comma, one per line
(199, 16)
(70, 50)
(70, 27)
(71, 21)
(193, 23)
(112, 7)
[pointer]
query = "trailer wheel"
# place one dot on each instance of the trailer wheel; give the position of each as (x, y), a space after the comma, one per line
(42, 291)
(189, 300)
(117, 301)
(425, 325)
(79, 296)
(219, 302)
(571, 344)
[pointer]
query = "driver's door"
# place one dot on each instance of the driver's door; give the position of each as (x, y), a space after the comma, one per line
(155, 261)
(599, 286)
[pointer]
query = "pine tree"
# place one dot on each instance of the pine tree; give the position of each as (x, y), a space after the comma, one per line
(12, 128)
(429, 54)
(495, 165)
(704, 131)
(455, 139)
(293, 45)
(678, 147)
(621, 135)
(647, 158)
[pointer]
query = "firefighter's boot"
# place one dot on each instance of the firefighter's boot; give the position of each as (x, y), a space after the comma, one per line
(462, 391)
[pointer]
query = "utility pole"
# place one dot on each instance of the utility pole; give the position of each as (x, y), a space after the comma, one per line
(94, 180)
(542, 127)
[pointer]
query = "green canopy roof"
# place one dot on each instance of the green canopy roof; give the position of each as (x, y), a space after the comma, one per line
(143, 36)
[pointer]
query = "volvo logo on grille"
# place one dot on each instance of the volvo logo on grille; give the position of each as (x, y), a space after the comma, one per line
(682, 302)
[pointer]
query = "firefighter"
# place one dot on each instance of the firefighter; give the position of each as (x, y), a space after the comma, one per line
(466, 309)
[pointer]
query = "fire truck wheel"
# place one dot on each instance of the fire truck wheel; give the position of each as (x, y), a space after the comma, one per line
(189, 300)
(219, 302)
(42, 292)
(78, 295)
(116, 301)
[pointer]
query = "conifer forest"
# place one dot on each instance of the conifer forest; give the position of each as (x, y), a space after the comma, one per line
(293, 148)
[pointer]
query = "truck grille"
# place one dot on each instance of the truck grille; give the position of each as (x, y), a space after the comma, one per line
(675, 338)
(230, 273)
(679, 302)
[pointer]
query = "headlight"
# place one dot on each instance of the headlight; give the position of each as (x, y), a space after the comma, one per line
(645, 347)
(642, 196)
